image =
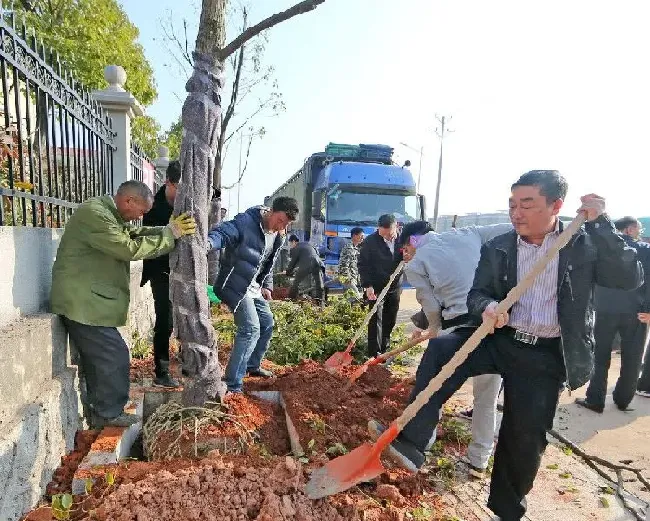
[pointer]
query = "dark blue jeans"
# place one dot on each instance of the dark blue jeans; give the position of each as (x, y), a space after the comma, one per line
(632, 333)
(254, 322)
(532, 379)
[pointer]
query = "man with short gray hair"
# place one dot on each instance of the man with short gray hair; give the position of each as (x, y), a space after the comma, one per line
(90, 289)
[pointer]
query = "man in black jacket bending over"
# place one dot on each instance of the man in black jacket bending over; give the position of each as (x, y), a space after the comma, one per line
(378, 258)
(156, 271)
(307, 265)
(544, 341)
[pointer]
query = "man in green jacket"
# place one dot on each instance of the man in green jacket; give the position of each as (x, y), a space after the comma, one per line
(90, 289)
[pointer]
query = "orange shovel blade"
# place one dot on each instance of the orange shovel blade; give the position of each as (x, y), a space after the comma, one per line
(362, 464)
(340, 359)
(363, 368)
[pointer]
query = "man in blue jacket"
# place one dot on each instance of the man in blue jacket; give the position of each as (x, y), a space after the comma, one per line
(251, 242)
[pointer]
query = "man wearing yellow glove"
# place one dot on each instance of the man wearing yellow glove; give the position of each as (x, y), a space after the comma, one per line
(90, 289)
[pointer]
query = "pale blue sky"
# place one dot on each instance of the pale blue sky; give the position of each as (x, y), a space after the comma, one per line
(554, 84)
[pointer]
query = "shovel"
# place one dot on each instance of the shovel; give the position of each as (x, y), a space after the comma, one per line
(385, 356)
(344, 358)
(363, 463)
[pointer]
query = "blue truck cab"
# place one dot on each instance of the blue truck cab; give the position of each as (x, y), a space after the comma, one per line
(348, 186)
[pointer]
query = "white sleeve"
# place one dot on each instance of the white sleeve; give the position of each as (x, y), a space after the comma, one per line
(417, 276)
(491, 231)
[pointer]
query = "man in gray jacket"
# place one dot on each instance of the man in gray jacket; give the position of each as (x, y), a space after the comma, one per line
(441, 266)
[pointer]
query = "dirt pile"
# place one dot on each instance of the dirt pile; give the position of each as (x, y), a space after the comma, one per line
(324, 411)
(219, 492)
(62, 478)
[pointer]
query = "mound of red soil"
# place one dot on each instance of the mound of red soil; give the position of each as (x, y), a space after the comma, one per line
(219, 492)
(325, 411)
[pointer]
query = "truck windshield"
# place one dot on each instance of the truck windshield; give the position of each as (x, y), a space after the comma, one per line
(365, 208)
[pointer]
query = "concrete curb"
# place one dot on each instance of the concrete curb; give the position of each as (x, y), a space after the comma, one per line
(112, 445)
(277, 398)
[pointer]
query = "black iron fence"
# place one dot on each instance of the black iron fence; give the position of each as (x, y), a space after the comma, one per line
(56, 143)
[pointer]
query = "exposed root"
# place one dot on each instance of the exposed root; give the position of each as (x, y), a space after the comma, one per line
(175, 419)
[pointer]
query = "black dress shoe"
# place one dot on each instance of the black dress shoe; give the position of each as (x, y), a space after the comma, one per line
(591, 406)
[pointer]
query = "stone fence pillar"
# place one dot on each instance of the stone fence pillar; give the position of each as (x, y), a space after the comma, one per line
(122, 107)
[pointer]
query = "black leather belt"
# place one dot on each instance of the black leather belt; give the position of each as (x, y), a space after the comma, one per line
(528, 338)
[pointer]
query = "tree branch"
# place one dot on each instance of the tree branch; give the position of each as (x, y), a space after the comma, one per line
(300, 8)
(235, 86)
(594, 461)
(243, 170)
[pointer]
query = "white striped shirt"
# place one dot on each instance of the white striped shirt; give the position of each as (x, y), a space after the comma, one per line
(536, 310)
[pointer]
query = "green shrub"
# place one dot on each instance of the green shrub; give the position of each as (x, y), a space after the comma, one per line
(303, 331)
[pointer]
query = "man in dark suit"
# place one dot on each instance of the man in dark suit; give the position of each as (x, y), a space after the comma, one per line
(378, 259)
(156, 272)
(623, 312)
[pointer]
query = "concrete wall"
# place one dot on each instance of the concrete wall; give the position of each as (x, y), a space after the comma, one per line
(26, 274)
(40, 410)
(26, 278)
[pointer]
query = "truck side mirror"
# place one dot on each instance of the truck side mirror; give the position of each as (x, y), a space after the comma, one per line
(422, 203)
(317, 204)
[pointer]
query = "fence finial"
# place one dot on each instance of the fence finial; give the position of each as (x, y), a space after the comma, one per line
(115, 75)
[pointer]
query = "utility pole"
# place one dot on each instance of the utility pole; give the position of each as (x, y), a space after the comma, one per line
(441, 131)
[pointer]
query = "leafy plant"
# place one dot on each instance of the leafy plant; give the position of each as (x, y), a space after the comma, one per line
(607, 490)
(338, 449)
(140, 347)
(422, 513)
(316, 423)
(456, 431)
(444, 471)
(303, 331)
(61, 505)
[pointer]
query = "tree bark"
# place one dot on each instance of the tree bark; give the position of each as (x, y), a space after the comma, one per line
(201, 118)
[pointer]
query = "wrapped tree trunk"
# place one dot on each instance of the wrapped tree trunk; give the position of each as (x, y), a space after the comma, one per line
(201, 118)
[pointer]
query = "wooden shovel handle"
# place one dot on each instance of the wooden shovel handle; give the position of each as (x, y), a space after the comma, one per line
(404, 347)
(373, 310)
(484, 329)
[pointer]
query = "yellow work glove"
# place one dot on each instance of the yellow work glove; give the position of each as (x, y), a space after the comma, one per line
(183, 224)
